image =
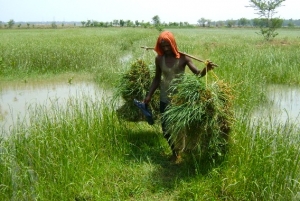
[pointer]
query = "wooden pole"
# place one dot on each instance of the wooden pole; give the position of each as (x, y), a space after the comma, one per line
(151, 48)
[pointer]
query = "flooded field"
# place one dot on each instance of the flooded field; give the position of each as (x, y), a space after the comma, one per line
(16, 102)
(283, 106)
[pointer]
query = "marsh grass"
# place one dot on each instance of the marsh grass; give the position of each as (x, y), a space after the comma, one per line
(37, 52)
(82, 152)
(270, 156)
(85, 152)
(65, 146)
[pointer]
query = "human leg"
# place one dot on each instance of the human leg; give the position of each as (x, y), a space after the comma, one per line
(165, 131)
(167, 135)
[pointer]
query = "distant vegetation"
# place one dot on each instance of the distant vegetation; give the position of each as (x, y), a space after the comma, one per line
(203, 22)
(266, 10)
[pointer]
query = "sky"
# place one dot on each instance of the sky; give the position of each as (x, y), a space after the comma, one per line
(142, 10)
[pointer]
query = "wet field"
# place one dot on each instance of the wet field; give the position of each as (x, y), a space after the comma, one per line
(283, 106)
(16, 102)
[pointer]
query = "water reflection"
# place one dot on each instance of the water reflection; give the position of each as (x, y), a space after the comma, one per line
(16, 102)
(284, 107)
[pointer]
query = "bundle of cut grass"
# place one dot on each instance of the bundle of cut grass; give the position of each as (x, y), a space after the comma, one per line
(134, 84)
(202, 114)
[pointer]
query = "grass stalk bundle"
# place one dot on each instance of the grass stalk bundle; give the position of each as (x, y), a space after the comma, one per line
(200, 114)
(134, 84)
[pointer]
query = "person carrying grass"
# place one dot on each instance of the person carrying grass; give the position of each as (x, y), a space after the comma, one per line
(170, 64)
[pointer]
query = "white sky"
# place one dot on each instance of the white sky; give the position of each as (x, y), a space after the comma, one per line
(142, 10)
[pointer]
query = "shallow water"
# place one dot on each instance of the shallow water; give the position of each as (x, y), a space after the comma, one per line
(15, 102)
(283, 108)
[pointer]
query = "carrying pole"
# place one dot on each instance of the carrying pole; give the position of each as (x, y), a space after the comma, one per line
(197, 59)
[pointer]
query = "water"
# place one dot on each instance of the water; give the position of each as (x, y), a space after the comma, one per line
(284, 106)
(15, 102)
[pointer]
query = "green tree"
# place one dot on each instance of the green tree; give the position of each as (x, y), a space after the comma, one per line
(101, 24)
(266, 10)
(156, 20)
(129, 23)
(220, 23)
(83, 23)
(230, 23)
(243, 22)
(157, 23)
(10, 23)
(208, 23)
(116, 22)
(122, 23)
(88, 23)
(53, 25)
(291, 23)
(202, 21)
(95, 23)
(146, 24)
(137, 23)
(256, 22)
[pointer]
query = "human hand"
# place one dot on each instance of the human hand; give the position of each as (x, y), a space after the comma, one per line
(210, 65)
(147, 99)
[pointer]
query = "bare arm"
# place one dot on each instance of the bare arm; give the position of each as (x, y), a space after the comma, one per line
(195, 70)
(155, 82)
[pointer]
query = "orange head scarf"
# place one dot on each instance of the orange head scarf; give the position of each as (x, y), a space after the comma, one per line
(167, 36)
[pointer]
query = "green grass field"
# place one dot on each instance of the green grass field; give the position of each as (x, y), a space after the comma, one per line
(85, 152)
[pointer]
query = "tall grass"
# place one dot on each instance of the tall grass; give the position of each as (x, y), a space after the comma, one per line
(40, 52)
(84, 152)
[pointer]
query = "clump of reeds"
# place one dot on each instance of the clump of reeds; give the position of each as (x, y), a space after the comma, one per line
(134, 84)
(202, 113)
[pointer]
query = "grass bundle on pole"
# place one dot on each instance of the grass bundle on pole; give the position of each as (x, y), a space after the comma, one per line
(134, 84)
(202, 114)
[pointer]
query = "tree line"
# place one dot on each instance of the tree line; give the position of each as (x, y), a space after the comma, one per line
(202, 22)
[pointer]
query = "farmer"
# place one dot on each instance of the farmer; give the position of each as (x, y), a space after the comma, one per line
(169, 64)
